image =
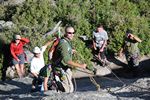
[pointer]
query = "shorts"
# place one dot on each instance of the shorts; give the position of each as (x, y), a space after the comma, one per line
(67, 82)
(22, 59)
(37, 81)
(102, 54)
(133, 60)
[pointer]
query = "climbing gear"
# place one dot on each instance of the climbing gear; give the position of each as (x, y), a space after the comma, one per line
(118, 80)
(95, 83)
(94, 70)
(53, 48)
(54, 30)
(91, 79)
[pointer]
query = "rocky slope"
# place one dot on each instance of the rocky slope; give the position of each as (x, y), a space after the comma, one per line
(128, 87)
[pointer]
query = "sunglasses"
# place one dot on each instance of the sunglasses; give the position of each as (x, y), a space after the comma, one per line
(70, 32)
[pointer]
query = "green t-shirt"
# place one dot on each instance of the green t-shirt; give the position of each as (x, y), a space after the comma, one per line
(46, 71)
(63, 51)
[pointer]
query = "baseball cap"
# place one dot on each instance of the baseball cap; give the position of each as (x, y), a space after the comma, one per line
(17, 37)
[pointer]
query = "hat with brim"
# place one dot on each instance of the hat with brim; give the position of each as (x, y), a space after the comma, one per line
(17, 37)
(36, 50)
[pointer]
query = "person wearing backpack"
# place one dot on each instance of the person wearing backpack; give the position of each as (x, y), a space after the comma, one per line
(62, 63)
(37, 62)
(131, 50)
(17, 53)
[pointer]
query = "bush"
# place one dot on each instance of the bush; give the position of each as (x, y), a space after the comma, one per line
(37, 17)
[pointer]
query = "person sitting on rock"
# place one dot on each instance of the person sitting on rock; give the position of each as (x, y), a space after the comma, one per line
(37, 62)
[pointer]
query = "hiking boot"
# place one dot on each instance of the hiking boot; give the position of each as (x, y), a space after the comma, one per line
(33, 89)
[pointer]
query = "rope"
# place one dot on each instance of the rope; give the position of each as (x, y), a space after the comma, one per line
(125, 84)
(115, 75)
(95, 83)
(75, 84)
(91, 78)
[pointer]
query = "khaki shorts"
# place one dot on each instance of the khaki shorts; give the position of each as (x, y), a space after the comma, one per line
(67, 82)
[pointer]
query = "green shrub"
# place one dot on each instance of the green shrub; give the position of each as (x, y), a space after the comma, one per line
(39, 16)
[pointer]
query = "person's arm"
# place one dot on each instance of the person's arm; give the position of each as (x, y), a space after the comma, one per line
(120, 52)
(104, 45)
(45, 83)
(13, 53)
(35, 74)
(71, 63)
(43, 48)
(135, 38)
(24, 40)
(94, 45)
(48, 43)
(66, 58)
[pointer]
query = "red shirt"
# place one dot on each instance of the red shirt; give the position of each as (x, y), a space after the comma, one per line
(18, 49)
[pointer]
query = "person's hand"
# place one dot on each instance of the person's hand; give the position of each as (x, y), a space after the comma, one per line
(120, 55)
(84, 65)
(18, 60)
(102, 49)
(74, 51)
(95, 48)
(130, 35)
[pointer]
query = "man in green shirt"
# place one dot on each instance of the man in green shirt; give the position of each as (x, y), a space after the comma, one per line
(131, 50)
(62, 63)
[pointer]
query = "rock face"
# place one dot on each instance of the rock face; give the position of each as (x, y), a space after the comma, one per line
(137, 89)
(11, 2)
(7, 24)
(127, 87)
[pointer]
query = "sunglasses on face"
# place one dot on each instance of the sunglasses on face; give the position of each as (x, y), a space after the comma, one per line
(70, 32)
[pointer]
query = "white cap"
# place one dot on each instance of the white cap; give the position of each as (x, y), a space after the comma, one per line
(17, 37)
(36, 50)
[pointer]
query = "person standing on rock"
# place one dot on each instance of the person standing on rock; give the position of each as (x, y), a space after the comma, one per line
(62, 61)
(131, 50)
(17, 52)
(100, 38)
(37, 62)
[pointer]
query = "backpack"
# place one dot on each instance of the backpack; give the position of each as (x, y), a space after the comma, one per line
(53, 83)
(53, 48)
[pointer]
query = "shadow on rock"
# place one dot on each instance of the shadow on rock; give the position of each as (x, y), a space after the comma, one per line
(136, 94)
(85, 84)
(18, 89)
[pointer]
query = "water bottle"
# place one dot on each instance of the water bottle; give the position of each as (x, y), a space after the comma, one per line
(42, 88)
(62, 74)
